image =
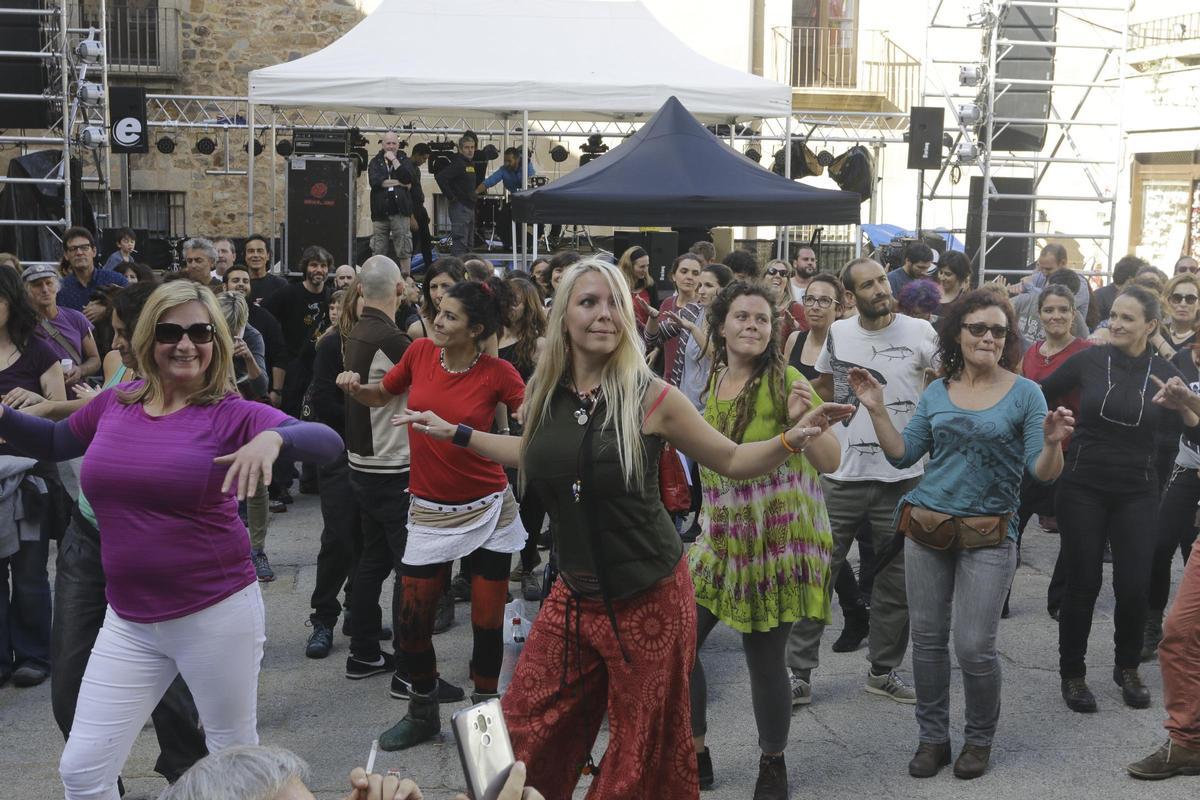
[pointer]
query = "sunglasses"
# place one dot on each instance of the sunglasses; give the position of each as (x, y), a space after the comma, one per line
(1190, 299)
(777, 271)
(979, 329)
(170, 333)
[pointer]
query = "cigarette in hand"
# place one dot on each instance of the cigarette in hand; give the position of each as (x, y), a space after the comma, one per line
(371, 756)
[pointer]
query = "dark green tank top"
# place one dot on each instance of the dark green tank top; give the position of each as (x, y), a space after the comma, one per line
(636, 538)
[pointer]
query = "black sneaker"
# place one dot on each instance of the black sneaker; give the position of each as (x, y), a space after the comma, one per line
(277, 506)
(320, 641)
(446, 692)
(705, 768)
(262, 567)
(357, 669)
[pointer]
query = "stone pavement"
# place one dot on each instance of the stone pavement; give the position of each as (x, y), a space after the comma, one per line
(847, 744)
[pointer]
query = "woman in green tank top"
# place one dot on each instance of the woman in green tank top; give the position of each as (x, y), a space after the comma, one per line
(617, 633)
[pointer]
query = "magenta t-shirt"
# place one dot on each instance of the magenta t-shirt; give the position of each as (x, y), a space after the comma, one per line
(170, 542)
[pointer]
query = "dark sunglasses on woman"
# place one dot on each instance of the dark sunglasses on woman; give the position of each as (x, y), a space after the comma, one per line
(978, 329)
(170, 333)
(1190, 299)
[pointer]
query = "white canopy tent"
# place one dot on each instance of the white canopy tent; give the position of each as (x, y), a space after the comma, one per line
(552, 59)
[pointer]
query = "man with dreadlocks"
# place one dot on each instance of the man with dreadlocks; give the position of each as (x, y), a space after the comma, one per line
(762, 561)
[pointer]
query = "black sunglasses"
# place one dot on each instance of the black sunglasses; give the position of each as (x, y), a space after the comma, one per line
(978, 329)
(170, 333)
(777, 271)
(1190, 299)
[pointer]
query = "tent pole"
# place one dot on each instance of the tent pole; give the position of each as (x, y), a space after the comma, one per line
(858, 240)
(512, 225)
(274, 172)
(250, 172)
(781, 247)
(523, 165)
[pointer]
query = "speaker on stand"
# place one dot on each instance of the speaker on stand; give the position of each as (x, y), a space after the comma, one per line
(1004, 216)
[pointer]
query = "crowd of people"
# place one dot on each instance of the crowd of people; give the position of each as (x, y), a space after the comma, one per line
(700, 454)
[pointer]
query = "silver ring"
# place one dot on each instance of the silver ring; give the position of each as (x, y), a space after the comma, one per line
(422, 428)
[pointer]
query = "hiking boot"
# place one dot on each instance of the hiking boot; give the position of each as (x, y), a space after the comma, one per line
(858, 625)
(1078, 696)
(402, 689)
(890, 685)
(421, 723)
(772, 783)
(972, 762)
(531, 587)
(28, 675)
(1166, 762)
(320, 641)
(1134, 692)
(444, 616)
(1152, 635)
(929, 759)
(262, 567)
(704, 768)
(801, 689)
(357, 669)
(460, 588)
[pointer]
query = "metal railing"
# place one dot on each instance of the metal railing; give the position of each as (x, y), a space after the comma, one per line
(1179, 28)
(847, 58)
(140, 40)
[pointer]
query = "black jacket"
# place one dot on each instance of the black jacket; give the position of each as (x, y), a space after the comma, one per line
(457, 180)
(378, 171)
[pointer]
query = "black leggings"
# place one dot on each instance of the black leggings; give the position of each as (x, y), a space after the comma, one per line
(1087, 517)
(1176, 530)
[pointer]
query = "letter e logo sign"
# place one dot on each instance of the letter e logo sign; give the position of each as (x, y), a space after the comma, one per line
(127, 131)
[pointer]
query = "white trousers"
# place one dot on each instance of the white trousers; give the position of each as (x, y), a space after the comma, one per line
(218, 652)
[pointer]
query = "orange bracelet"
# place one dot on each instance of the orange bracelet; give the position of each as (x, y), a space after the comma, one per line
(788, 447)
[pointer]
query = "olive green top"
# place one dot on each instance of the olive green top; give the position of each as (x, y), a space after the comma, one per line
(633, 532)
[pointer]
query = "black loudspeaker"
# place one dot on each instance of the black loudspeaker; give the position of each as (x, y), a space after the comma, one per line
(1024, 62)
(22, 75)
(925, 127)
(1004, 216)
(663, 247)
(320, 208)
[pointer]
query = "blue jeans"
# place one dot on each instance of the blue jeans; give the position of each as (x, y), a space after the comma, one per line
(25, 612)
(972, 584)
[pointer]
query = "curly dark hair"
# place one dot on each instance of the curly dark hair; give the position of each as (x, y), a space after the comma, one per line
(446, 265)
(22, 318)
(769, 366)
(485, 303)
(949, 348)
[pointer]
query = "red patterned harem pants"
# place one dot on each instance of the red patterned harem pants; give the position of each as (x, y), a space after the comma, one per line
(572, 671)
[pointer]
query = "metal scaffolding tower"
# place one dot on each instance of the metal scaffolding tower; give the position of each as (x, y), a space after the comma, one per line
(1080, 161)
(77, 94)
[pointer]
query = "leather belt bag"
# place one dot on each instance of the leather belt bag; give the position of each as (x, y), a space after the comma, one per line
(941, 531)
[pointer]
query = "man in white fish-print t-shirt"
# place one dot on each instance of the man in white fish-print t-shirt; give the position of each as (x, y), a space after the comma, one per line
(897, 350)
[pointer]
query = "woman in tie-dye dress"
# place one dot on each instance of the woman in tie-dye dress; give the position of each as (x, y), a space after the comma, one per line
(762, 561)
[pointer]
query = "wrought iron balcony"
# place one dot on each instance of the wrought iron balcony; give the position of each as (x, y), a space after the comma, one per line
(846, 66)
(1165, 43)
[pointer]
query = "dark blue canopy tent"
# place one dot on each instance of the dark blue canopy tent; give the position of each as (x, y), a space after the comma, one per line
(675, 172)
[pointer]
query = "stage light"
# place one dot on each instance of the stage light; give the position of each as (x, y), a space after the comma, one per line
(753, 154)
(165, 145)
(559, 154)
(970, 114)
(967, 152)
(284, 147)
(825, 158)
(89, 51)
(258, 147)
(854, 171)
(594, 148)
(93, 136)
(970, 75)
(89, 93)
(804, 161)
(205, 146)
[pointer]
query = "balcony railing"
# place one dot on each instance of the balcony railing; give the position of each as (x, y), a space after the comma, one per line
(140, 40)
(1156, 32)
(860, 61)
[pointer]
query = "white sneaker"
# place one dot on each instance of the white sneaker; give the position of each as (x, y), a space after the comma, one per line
(890, 685)
(801, 690)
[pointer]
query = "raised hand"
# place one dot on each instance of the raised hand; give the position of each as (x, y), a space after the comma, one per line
(1059, 424)
(349, 382)
(799, 400)
(251, 463)
(1175, 394)
(868, 390)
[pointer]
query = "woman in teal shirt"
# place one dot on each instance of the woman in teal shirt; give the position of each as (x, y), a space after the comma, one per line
(982, 426)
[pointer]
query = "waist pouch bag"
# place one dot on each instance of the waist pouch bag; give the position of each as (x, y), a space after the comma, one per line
(941, 531)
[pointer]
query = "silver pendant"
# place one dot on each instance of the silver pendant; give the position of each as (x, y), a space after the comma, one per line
(581, 416)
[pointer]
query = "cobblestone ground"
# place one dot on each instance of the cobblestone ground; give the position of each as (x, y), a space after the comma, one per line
(847, 744)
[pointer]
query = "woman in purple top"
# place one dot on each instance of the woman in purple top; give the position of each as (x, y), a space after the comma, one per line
(182, 595)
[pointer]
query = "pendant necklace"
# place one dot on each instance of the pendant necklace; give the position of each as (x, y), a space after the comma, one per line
(587, 402)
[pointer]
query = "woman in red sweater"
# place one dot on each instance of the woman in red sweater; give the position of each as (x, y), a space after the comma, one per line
(462, 505)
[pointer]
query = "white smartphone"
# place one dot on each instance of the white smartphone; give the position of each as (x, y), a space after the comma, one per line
(484, 748)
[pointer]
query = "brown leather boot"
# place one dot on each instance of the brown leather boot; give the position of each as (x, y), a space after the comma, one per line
(1166, 762)
(929, 759)
(972, 762)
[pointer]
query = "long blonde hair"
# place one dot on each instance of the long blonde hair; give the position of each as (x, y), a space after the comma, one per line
(218, 377)
(623, 380)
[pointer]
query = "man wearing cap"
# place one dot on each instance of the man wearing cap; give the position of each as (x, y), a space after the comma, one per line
(67, 331)
(79, 249)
